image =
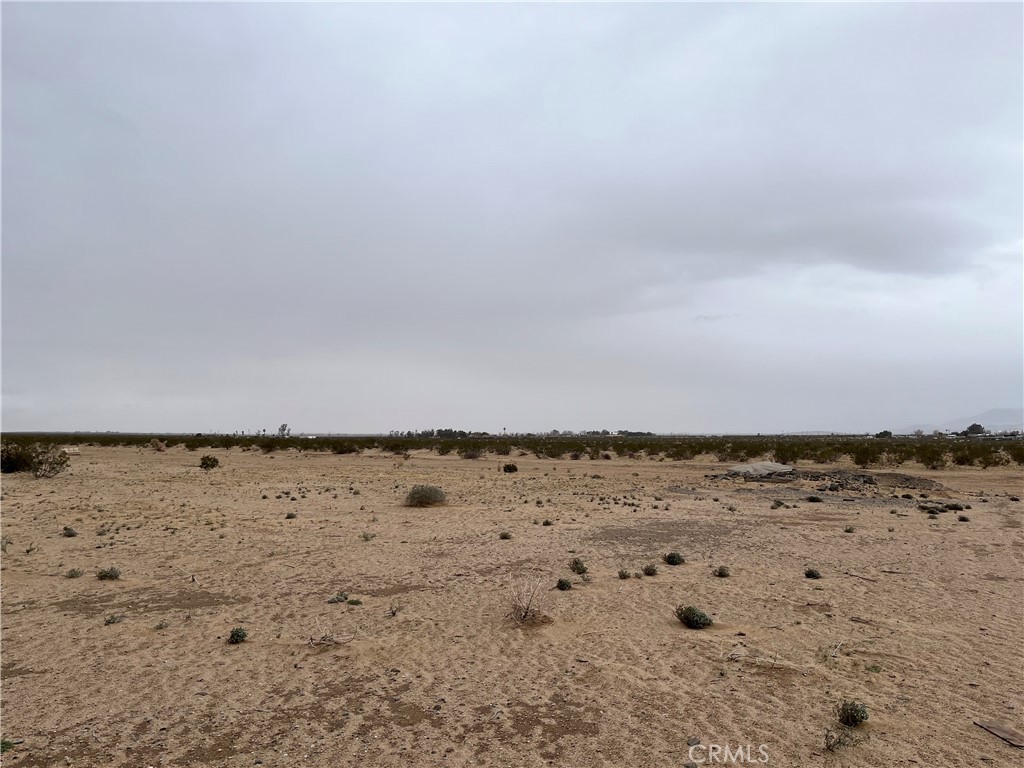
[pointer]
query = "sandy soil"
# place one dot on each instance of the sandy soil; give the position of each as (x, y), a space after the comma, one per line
(920, 619)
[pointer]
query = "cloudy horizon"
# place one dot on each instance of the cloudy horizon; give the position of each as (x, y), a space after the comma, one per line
(357, 218)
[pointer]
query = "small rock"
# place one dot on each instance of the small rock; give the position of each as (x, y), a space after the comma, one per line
(693, 741)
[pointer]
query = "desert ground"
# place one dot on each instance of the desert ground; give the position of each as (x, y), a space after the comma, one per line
(920, 619)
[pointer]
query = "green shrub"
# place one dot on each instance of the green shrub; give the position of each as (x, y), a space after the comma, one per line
(238, 635)
(108, 574)
(673, 558)
(291, 516)
(40, 460)
(510, 468)
(722, 572)
(812, 573)
(623, 573)
(547, 522)
(814, 499)
(650, 570)
(69, 532)
(355, 601)
(505, 535)
(848, 529)
(209, 462)
(16, 458)
(851, 713)
(471, 453)
(425, 496)
(694, 618)
(113, 619)
(577, 566)
(74, 573)
(6, 745)
(963, 518)
(564, 584)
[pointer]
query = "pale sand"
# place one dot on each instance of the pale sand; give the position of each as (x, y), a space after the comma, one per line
(612, 679)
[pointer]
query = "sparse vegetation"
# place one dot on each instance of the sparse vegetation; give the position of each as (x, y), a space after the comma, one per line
(108, 574)
(963, 518)
(812, 573)
(692, 617)
(238, 635)
(440, 562)
(577, 566)
(74, 573)
(848, 529)
(851, 713)
(341, 597)
(650, 569)
(113, 619)
(509, 468)
(563, 584)
(209, 462)
(367, 536)
(814, 499)
(425, 496)
(547, 522)
(291, 516)
(722, 572)
(673, 558)
(68, 532)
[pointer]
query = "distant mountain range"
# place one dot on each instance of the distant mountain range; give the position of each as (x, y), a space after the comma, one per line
(994, 420)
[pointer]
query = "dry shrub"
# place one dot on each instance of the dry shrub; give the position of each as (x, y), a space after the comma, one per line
(425, 496)
(525, 598)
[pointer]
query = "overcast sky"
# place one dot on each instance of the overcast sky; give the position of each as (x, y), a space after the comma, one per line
(678, 218)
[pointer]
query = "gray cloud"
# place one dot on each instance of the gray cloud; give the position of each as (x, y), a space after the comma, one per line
(225, 214)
